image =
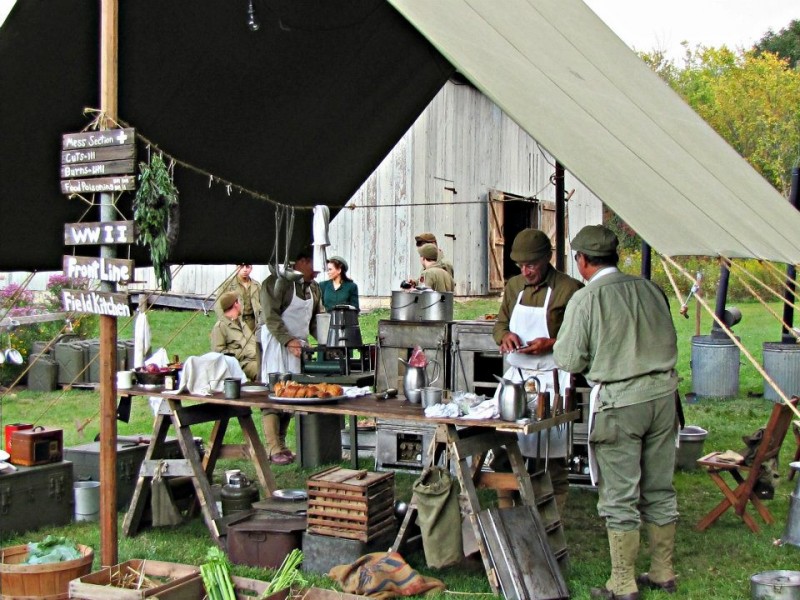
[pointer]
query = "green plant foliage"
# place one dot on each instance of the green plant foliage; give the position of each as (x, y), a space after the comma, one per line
(154, 210)
(785, 43)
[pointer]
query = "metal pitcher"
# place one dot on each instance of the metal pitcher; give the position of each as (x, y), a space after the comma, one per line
(513, 399)
(416, 378)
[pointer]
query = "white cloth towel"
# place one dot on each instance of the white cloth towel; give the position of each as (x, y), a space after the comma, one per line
(355, 392)
(203, 375)
(485, 410)
(319, 227)
(449, 410)
(141, 339)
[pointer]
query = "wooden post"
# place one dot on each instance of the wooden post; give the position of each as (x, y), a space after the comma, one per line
(109, 25)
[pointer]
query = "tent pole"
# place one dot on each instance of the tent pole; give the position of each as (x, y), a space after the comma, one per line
(560, 217)
(722, 296)
(791, 273)
(109, 29)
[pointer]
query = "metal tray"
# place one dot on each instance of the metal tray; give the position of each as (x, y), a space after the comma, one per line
(254, 388)
(290, 494)
(330, 400)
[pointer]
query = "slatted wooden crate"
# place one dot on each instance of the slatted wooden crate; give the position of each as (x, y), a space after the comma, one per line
(345, 503)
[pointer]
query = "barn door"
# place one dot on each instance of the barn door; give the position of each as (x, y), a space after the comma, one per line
(497, 241)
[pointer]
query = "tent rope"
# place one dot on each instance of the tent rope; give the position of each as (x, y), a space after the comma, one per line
(776, 293)
(763, 303)
(782, 277)
(666, 259)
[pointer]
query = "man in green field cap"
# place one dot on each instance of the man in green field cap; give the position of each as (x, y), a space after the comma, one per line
(618, 332)
(231, 335)
(529, 319)
(433, 273)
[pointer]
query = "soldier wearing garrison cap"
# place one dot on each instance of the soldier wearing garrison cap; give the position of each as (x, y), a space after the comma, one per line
(231, 335)
(619, 333)
(429, 238)
(248, 290)
(527, 323)
(433, 273)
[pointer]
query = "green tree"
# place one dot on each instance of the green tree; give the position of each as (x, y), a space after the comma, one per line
(752, 100)
(785, 43)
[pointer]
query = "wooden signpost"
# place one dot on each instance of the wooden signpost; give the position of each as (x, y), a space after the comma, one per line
(99, 184)
(97, 303)
(89, 157)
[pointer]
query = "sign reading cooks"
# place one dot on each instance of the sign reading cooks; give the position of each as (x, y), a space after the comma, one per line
(97, 162)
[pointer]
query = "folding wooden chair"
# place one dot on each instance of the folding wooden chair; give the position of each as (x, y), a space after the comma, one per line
(746, 476)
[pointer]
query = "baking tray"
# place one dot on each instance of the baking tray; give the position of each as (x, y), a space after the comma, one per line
(330, 400)
(254, 388)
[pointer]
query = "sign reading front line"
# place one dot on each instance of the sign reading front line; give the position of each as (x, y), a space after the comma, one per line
(96, 303)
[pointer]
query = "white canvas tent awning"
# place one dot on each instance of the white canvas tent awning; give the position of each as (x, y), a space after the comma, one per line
(556, 69)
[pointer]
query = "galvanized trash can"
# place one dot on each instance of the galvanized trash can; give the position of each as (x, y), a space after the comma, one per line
(782, 363)
(715, 367)
(690, 449)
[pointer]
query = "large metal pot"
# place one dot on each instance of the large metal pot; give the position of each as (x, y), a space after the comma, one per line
(344, 315)
(435, 306)
(775, 585)
(404, 305)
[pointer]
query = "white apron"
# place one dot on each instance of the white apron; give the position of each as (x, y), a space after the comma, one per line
(277, 358)
(529, 323)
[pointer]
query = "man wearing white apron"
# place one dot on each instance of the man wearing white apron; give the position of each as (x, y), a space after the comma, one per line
(289, 311)
(618, 332)
(527, 323)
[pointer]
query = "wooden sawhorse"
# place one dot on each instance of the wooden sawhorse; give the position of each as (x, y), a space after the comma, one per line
(200, 470)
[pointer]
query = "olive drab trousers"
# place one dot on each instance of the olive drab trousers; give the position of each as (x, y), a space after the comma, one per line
(635, 449)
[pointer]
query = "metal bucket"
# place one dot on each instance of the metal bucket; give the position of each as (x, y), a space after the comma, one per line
(435, 306)
(715, 367)
(690, 449)
(782, 363)
(775, 585)
(405, 305)
(87, 500)
(791, 535)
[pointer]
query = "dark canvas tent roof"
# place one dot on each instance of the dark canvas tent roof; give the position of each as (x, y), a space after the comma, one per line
(302, 110)
(305, 108)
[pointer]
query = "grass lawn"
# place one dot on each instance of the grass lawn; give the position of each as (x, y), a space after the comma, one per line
(714, 564)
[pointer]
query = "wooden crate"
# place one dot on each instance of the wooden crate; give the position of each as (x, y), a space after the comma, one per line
(180, 582)
(351, 504)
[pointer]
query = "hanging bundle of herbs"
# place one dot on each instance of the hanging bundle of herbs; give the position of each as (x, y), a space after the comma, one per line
(155, 212)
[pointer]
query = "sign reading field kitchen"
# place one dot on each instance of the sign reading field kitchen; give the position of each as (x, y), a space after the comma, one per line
(88, 158)
(98, 303)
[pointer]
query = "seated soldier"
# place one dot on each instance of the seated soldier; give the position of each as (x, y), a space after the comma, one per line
(231, 335)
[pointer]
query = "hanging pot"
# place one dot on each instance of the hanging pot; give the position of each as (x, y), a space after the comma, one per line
(405, 305)
(435, 306)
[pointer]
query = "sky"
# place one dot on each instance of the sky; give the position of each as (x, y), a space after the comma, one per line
(663, 24)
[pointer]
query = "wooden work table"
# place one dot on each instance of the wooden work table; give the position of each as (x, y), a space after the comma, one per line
(458, 438)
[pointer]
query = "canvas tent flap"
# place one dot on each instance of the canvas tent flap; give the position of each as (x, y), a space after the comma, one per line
(302, 110)
(572, 84)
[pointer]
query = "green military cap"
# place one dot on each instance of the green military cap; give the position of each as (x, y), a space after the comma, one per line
(429, 251)
(425, 238)
(530, 245)
(227, 300)
(340, 260)
(595, 240)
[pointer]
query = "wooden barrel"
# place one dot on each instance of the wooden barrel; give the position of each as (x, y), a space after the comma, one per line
(39, 581)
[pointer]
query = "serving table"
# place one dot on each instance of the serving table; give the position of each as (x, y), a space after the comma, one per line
(456, 438)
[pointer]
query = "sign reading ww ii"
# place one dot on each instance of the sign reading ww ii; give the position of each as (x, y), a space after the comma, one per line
(96, 303)
(107, 232)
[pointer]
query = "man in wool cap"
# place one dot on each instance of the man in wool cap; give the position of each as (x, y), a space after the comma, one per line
(433, 273)
(231, 335)
(527, 324)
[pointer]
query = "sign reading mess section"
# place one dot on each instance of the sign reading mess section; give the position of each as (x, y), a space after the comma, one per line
(89, 157)
(98, 139)
(96, 303)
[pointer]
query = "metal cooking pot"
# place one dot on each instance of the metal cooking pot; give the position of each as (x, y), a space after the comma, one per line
(435, 306)
(775, 585)
(404, 305)
(344, 315)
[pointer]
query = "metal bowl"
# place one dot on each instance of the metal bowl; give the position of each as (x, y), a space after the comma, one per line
(146, 378)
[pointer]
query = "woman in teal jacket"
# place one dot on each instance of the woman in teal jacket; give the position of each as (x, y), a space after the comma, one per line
(339, 288)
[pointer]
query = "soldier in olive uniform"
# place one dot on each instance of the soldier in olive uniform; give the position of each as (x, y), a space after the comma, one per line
(248, 291)
(429, 238)
(433, 273)
(231, 335)
(619, 333)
